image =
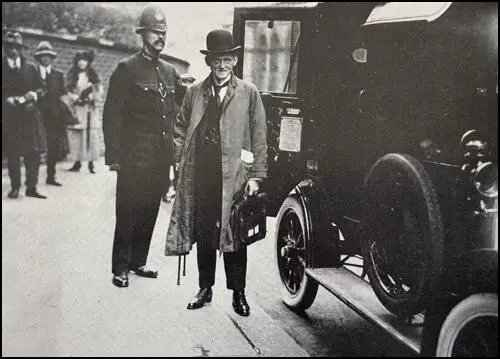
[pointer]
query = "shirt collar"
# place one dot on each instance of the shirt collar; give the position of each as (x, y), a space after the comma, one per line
(14, 63)
(47, 69)
(226, 81)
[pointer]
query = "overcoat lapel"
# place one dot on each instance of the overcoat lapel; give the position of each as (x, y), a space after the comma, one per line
(199, 107)
(231, 89)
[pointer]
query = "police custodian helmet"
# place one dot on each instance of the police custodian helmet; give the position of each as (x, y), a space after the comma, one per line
(152, 18)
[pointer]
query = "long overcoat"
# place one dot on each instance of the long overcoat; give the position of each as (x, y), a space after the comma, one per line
(51, 108)
(242, 127)
(23, 128)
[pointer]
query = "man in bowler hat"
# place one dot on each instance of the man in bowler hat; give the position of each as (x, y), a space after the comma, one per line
(137, 124)
(51, 108)
(23, 130)
(220, 148)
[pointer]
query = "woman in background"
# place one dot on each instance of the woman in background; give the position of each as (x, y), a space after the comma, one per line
(85, 89)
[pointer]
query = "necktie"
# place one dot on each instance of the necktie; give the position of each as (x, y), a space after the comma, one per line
(217, 89)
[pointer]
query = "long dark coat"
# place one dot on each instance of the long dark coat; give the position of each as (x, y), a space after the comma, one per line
(243, 126)
(23, 128)
(53, 113)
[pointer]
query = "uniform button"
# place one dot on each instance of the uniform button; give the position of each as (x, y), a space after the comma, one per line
(163, 133)
(163, 116)
(145, 88)
(161, 100)
(173, 91)
(157, 68)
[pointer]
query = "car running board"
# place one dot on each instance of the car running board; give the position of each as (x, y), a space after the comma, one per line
(359, 296)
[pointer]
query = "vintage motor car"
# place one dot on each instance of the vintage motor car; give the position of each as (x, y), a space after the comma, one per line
(382, 151)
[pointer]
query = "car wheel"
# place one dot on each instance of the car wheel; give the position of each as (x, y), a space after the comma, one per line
(402, 240)
(471, 328)
(297, 288)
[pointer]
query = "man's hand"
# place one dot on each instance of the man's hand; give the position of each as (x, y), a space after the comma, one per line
(177, 166)
(252, 187)
(114, 167)
(11, 100)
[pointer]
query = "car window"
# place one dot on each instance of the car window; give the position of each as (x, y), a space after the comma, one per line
(271, 55)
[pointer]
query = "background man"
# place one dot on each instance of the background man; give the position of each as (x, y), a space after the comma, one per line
(23, 130)
(52, 80)
(137, 125)
(220, 142)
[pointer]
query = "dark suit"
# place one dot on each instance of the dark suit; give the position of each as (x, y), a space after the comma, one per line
(137, 125)
(23, 130)
(50, 106)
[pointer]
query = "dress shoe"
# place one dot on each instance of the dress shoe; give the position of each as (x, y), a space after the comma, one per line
(240, 304)
(91, 167)
(53, 182)
(121, 279)
(143, 271)
(34, 193)
(14, 193)
(203, 296)
(76, 167)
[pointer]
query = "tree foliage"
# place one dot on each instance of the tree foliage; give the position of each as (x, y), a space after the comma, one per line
(77, 18)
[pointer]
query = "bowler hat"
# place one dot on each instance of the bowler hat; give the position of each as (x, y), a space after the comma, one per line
(220, 42)
(14, 38)
(44, 48)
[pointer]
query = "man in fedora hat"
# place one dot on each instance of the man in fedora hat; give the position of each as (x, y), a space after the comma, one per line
(51, 108)
(220, 148)
(137, 123)
(23, 130)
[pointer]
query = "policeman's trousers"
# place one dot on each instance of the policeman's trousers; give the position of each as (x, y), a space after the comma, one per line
(138, 196)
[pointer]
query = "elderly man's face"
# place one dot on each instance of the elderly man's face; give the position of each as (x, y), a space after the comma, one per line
(222, 66)
(154, 40)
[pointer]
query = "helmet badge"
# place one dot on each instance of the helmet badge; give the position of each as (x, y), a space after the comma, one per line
(158, 15)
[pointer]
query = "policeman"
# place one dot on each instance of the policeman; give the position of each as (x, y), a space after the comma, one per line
(137, 124)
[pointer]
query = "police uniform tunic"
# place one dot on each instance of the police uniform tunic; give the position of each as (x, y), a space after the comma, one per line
(137, 123)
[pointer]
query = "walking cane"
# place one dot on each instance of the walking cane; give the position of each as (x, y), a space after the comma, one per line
(179, 269)
(88, 132)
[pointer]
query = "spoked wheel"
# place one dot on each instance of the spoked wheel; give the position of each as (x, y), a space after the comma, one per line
(297, 288)
(471, 328)
(402, 234)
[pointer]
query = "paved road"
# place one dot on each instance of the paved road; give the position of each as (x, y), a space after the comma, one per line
(58, 300)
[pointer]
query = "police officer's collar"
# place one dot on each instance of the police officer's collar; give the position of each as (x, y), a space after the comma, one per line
(149, 58)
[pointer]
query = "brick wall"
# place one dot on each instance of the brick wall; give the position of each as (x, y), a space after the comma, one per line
(106, 55)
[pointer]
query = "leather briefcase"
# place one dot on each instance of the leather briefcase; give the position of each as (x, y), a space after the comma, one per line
(248, 217)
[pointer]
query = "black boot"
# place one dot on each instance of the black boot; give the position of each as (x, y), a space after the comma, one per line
(14, 193)
(91, 167)
(201, 298)
(240, 304)
(52, 181)
(32, 192)
(76, 167)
